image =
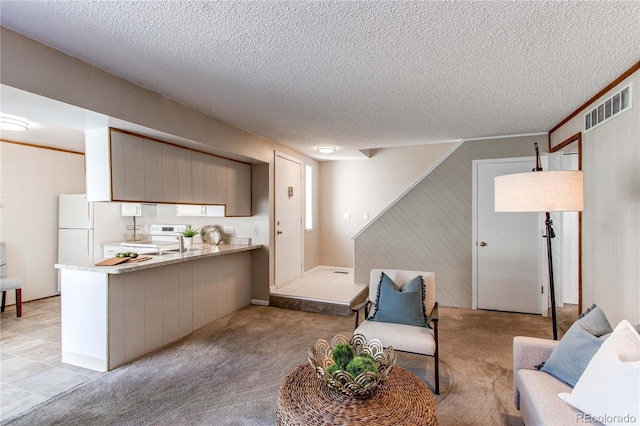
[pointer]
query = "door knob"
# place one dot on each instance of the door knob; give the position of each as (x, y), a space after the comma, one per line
(279, 232)
(482, 244)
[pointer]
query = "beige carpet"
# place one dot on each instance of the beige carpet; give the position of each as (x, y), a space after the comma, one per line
(228, 372)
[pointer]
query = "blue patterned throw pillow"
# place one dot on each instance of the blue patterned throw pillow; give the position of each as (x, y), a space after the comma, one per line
(401, 305)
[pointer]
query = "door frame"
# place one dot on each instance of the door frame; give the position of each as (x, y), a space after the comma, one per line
(543, 272)
(577, 139)
(275, 214)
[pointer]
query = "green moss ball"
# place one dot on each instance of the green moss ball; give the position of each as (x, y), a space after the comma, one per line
(342, 354)
(360, 364)
(332, 369)
(367, 355)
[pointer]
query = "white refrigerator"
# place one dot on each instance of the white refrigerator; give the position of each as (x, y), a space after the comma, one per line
(75, 228)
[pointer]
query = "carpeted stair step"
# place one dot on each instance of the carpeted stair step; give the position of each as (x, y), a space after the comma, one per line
(318, 306)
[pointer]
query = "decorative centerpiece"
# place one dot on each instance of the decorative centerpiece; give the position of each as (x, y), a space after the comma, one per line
(354, 367)
(210, 235)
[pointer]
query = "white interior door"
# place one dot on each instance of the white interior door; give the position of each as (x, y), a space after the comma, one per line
(288, 219)
(507, 246)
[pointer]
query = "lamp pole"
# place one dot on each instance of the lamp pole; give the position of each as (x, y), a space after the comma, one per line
(549, 235)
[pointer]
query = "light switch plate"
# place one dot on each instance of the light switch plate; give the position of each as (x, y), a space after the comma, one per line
(228, 229)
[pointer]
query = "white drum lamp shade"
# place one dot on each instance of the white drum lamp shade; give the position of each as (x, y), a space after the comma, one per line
(552, 191)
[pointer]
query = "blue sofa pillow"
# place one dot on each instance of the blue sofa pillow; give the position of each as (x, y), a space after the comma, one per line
(401, 305)
(595, 322)
(572, 355)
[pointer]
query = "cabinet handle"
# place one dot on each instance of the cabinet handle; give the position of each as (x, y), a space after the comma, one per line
(279, 232)
(482, 244)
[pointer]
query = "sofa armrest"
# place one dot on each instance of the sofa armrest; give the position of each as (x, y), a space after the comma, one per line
(527, 353)
(531, 351)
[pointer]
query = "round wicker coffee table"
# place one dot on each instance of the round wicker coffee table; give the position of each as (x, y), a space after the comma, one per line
(403, 399)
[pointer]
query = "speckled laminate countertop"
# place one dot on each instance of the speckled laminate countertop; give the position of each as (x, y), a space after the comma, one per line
(166, 259)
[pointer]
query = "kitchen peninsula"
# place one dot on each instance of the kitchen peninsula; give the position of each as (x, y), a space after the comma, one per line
(112, 315)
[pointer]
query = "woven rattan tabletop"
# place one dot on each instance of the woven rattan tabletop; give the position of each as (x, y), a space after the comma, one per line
(403, 399)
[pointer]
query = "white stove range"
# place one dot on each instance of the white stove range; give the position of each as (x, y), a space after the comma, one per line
(163, 238)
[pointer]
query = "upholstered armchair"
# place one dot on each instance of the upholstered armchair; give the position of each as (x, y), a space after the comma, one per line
(406, 316)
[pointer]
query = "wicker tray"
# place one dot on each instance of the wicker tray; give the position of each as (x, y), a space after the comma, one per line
(402, 399)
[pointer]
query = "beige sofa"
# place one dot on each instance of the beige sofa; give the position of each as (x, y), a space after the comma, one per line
(536, 392)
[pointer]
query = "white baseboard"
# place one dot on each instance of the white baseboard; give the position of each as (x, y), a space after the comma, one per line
(84, 361)
(259, 302)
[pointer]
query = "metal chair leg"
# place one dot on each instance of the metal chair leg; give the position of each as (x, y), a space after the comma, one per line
(18, 301)
(436, 357)
(437, 371)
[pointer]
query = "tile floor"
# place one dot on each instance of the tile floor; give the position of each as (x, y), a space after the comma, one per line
(323, 283)
(31, 370)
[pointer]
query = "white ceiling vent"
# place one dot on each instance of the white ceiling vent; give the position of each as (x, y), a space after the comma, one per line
(619, 102)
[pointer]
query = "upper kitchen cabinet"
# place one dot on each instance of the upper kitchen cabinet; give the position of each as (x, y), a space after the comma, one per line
(128, 171)
(126, 167)
(185, 180)
(169, 172)
(238, 201)
(198, 183)
(152, 170)
(221, 181)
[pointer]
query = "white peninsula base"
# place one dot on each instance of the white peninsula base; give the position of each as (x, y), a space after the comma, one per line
(109, 319)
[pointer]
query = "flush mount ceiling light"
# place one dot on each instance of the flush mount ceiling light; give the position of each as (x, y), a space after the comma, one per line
(11, 122)
(327, 149)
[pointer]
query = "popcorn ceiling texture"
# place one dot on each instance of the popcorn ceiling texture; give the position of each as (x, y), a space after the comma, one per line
(354, 74)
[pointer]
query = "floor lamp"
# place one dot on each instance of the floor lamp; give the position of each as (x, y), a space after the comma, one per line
(540, 191)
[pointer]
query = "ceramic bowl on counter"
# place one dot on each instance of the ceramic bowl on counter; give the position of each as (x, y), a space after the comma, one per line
(210, 235)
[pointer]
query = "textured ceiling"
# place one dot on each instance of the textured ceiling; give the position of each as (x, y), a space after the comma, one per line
(358, 75)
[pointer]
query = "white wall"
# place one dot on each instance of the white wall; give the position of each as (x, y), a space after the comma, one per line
(366, 186)
(611, 219)
(31, 179)
(108, 225)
